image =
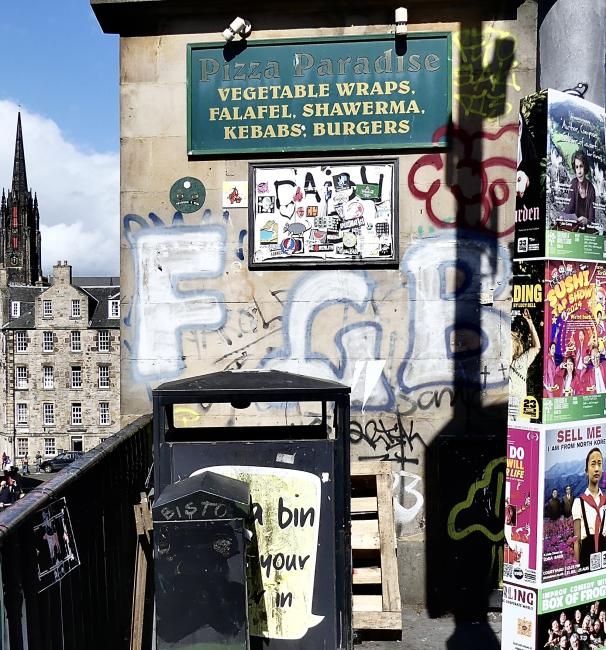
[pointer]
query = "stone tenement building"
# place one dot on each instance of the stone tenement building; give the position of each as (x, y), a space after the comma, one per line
(60, 341)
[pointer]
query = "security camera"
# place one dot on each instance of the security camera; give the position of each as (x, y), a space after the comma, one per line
(401, 21)
(239, 26)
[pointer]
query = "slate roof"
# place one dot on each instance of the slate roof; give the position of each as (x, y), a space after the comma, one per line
(99, 296)
(26, 295)
(98, 309)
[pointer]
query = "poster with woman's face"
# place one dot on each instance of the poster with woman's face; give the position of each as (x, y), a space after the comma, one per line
(525, 365)
(575, 178)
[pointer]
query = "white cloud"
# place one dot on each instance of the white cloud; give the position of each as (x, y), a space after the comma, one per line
(78, 192)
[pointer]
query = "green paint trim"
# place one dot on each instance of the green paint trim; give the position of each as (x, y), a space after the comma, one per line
(189, 95)
(424, 145)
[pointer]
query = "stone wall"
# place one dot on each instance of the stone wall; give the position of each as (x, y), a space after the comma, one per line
(425, 347)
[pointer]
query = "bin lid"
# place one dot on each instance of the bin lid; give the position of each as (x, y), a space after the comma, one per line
(253, 385)
(207, 495)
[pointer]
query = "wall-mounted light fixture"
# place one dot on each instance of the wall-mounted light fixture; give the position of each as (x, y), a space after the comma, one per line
(239, 26)
(401, 21)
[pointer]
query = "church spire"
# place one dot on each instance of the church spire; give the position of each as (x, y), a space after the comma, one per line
(20, 224)
(19, 175)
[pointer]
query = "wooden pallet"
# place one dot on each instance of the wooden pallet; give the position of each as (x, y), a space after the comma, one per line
(373, 543)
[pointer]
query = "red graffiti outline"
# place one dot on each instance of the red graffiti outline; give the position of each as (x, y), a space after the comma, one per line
(487, 197)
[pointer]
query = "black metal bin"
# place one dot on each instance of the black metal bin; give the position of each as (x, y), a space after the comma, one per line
(299, 559)
(200, 563)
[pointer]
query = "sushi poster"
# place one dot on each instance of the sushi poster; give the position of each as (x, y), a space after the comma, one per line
(331, 213)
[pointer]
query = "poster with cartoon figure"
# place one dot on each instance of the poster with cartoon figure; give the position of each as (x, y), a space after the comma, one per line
(574, 372)
(330, 213)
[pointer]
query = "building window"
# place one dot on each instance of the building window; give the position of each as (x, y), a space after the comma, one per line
(114, 309)
(75, 309)
(21, 413)
(104, 413)
(76, 377)
(103, 341)
(20, 377)
(47, 342)
(22, 447)
(21, 341)
(48, 413)
(49, 447)
(77, 413)
(48, 377)
(47, 309)
(103, 376)
(15, 309)
(76, 341)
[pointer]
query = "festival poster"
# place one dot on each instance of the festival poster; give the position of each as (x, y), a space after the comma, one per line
(575, 610)
(575, 184)
(530, 177)
(574, 343)
(526, 361)
(573, 470)
(561, 178)
(536, 619)
(519, 618)
(521, 505)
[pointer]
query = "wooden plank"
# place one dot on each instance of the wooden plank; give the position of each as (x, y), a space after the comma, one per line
(364, 504)
(367, 603)
(370, 575)
(370, 468)
(377, 620)
(365, 534)
(387, 538)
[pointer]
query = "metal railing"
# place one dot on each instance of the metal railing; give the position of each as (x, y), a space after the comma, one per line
(90, 607)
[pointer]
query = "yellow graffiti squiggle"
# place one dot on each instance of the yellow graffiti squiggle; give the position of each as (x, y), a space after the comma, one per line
(487, 66)
(475, 487)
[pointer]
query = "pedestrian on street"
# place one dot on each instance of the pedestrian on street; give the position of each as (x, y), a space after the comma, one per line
(38, 462)
(25, 465)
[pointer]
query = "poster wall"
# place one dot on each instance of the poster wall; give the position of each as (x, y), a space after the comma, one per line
(560, 184)
(558, 342)
(569, 617)
(521, 506)
(324, 214)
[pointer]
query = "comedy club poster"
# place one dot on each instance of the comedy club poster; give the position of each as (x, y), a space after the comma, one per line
(521, 507)
(573, 505)
(574, 344)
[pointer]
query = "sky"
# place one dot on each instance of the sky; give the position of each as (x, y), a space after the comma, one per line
(61, 71)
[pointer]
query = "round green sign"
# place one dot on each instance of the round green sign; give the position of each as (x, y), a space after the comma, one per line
(187, 194)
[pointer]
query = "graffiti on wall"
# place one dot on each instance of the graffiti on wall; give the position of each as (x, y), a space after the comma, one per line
(482, 184)
(449, 277)
(163, 258)
(486, 72)
(387, 438)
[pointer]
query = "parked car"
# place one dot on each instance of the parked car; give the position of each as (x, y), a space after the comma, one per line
(60, 461)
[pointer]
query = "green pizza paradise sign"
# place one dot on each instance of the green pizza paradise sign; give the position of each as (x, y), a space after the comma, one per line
(319, 94)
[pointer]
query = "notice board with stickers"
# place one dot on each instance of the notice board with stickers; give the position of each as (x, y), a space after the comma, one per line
(328, 213)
